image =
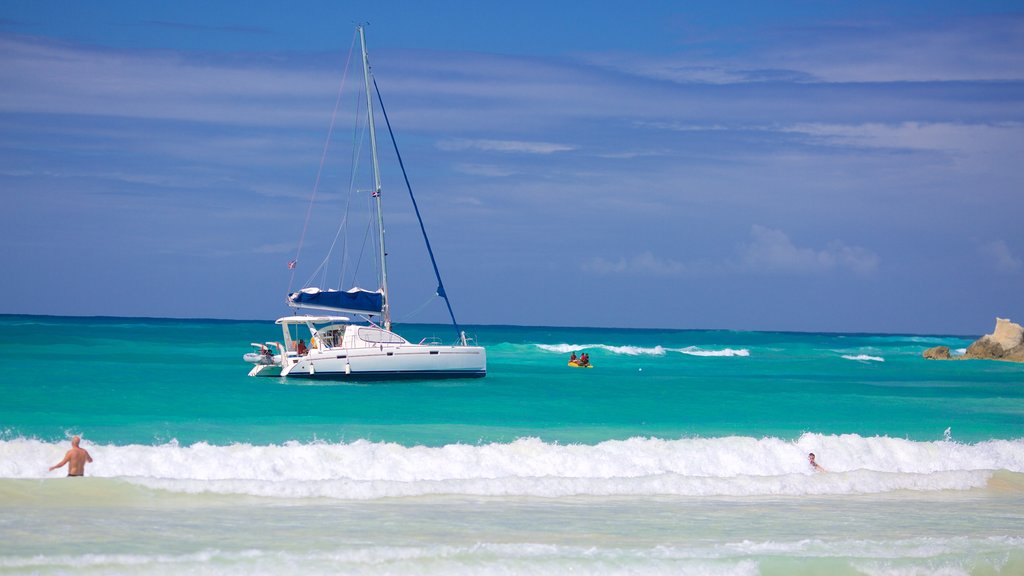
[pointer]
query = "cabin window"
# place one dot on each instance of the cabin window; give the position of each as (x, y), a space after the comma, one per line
(330, 338)
(378, 336)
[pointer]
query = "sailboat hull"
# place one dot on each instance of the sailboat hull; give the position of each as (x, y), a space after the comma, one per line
(404, 362)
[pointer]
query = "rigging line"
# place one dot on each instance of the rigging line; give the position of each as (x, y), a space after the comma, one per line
(420, 308)
(323, 158)
(368, 233)
(373, 239)
(440, 285)
(357, 150)
(324, 268)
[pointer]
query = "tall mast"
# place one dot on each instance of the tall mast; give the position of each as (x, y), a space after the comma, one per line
(386, 308)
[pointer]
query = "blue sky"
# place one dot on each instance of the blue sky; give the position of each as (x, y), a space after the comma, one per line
(812, 166)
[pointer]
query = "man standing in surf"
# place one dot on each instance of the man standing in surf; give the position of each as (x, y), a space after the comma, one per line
(75, 459)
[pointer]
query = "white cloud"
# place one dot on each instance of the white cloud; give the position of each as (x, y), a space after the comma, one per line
(515, 146)
(771, 250)
(644, 264)
(1000, 256)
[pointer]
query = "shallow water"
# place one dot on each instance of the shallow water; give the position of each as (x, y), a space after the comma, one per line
(680, 452)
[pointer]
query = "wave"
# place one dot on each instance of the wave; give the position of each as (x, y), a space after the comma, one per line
(641, 351)
(917, 555)
(863, 358)
(627, 350)
(729, 466)
(946, 555)
(695, 351)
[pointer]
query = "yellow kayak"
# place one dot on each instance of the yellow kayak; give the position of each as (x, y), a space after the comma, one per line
(575, 365)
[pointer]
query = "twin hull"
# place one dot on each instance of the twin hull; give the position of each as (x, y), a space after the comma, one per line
(406, 361)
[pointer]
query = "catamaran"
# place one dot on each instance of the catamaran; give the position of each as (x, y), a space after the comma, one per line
(336, 347)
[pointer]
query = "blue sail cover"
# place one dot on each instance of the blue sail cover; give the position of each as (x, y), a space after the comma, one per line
(355, 300)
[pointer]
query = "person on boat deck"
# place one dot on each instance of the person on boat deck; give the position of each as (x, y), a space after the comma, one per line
(572, 358)
(301, 347)
(584, 359)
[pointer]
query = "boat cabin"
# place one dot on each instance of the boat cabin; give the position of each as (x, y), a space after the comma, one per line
(328, 332)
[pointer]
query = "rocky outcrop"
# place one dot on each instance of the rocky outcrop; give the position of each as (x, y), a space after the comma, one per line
(937, 353)
(1006, 342)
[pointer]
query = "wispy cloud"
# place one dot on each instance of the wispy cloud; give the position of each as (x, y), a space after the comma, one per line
(644, 264)
(955, 49)
(1000, 256)
(51, 78)
(968, 48)
(768, 251)
(488, 170)
(514, 146)
(977, 146)
(686, 69)
(911, 135)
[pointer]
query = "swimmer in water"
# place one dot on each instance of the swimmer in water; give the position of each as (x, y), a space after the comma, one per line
(75, 459)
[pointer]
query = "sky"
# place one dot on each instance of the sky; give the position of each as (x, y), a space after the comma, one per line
(793, 166)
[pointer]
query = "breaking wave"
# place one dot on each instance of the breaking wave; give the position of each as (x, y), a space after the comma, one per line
(695, 351)
(360, 470)
(641, 351)
(863, 358)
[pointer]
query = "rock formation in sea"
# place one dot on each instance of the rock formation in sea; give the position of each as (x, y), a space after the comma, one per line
(1006, 342)
(937, 353)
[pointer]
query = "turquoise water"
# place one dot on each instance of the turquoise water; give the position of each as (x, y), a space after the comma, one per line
(151, 381)
(680, 452)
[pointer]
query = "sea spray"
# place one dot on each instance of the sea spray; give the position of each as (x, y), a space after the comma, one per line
(641, 351)
(863, 357)
(734, 466)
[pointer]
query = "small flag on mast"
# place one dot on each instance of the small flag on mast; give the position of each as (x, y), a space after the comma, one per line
(291, 265)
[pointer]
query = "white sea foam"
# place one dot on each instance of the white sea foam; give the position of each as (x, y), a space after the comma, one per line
(924, 556)
(642, 351)
(864, 358)
(695, 351)
(626, 350)
(730, 466)
(478, 560)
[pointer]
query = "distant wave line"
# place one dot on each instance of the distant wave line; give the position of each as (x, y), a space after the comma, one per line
(864, 358)
(640, 351)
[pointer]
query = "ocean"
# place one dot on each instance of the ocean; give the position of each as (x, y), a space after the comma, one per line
(680, 452)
